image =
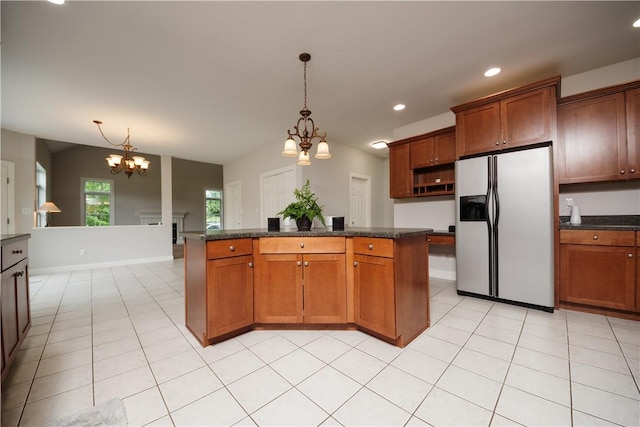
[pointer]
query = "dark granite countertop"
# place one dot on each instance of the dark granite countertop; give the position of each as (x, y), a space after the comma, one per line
(382, 232)
(603, 222)
(441, 233)
(11, 238)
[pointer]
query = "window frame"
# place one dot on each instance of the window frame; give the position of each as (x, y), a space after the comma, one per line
(83, 200)
(206, 200)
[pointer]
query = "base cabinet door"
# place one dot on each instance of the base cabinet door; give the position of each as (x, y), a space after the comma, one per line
(599, 276)
(278, 288)
(375, 304)
(10, 329)
(229, 294)
(325, 288)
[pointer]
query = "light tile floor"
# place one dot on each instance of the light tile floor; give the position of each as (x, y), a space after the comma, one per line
(119, 332)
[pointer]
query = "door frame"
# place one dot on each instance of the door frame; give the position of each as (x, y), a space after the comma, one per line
(10, 208)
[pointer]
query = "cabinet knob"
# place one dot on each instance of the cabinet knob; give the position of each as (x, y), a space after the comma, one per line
(19, 251)
(299, 263)
(370, 247)
(436, 159)
(632, 171)
(302, 245)
(630, 255)
(250, 265)
(504, 142)
(232, 248)
(497, 142)
(20, 274)
(431, 160)
(355, 263)
(595, 237)
(306, 263)
(622, 172)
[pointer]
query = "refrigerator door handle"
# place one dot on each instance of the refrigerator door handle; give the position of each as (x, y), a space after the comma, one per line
(496, 219)
(490, 228)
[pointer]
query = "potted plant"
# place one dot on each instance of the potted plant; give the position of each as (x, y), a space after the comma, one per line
(304, 209)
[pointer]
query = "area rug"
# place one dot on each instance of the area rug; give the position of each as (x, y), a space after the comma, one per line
(111, 413)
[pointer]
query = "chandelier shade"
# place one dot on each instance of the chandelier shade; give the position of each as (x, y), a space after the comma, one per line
(305, 131)
(127, 163)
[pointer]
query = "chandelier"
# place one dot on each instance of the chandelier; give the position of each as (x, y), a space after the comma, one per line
(305, 131)
(127, 163)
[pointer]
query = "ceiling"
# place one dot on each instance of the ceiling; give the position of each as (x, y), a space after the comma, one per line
(212, 81)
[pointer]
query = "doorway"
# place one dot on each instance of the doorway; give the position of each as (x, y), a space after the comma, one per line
(276, 189)
(359, 200)
(232, 205)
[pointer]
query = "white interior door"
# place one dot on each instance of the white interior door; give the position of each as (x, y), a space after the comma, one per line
(359, 200)
(276, 190)
(232, 205)
(7, 202)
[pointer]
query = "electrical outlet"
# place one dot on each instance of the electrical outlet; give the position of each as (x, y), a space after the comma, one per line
(83, 252)
(569, 203)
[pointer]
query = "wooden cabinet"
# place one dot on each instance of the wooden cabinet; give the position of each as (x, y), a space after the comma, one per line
(300, 280)
(632, 104)
(218, 287)
(433, 150)
(423, 165)
(15, 309)
(598, 268)
(391, 286)
(400, 175)
(598, 135)
(510, 119)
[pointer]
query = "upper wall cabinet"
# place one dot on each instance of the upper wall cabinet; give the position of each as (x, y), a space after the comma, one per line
(400, 172)
(598, 135)
(522, 116)
(423, 165)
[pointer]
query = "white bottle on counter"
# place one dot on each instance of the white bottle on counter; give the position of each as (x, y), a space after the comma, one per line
(575, 216)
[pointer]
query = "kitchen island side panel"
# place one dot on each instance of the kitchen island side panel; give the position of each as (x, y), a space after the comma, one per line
(412, 287)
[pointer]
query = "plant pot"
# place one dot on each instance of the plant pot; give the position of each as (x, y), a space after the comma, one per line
(304, 224)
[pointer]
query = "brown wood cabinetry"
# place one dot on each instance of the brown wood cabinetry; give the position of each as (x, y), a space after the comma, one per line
(300, 280)
(391, 286)
(423, 165)
(218, 287)
(400, 175)
(598, 269)
(510, 119)
(598, 135)
(15, 310)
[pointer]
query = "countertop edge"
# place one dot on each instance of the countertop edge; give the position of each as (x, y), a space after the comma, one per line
(263, 232)
(11, 238)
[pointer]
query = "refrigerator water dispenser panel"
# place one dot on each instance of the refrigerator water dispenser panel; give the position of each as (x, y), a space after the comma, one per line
(473, 208)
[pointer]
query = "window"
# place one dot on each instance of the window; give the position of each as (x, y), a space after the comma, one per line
(213, 209)
(97, 201)
(41, 194)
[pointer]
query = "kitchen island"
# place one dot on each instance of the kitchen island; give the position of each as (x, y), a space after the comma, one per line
(371, 279)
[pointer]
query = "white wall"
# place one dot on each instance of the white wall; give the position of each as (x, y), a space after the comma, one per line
(611, 199)
(58, 248)
(329, 180)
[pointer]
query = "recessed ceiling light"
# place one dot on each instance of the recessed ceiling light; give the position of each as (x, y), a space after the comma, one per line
(492, 72)
(637, 24)
(399, 107)
(379, 145)
(56, 1)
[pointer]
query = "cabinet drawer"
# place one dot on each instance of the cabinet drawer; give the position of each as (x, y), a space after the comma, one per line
(598, 237)
(302, 245)
(12, 253)
(441, 240)
(228, 248)
(373, 246)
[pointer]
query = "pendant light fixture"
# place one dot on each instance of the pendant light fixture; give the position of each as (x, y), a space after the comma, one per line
(305, 131)
(127, 163)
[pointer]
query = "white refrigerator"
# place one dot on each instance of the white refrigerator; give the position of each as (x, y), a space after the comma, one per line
(504, 227)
